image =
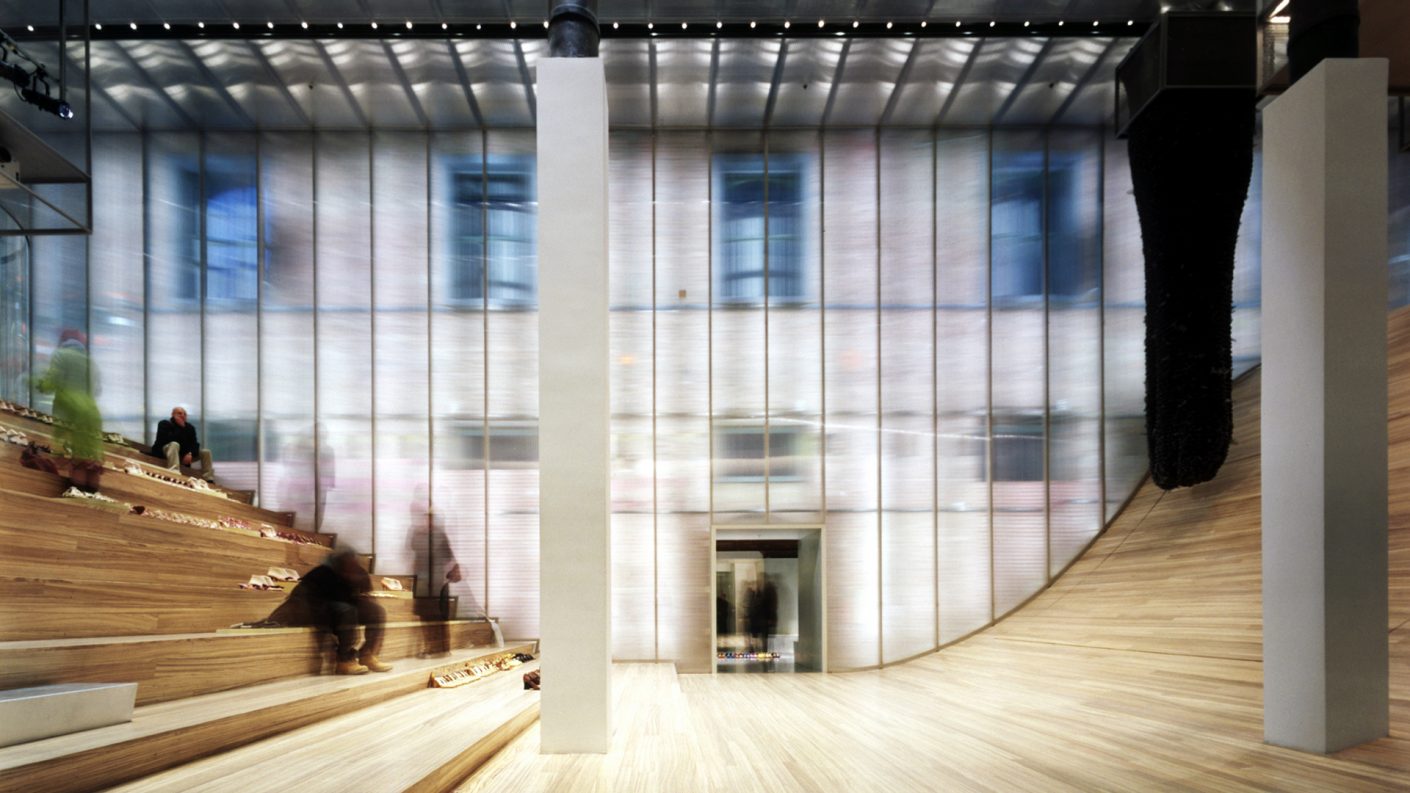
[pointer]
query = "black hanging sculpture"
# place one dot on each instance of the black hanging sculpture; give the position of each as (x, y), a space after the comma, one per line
(1191, 151)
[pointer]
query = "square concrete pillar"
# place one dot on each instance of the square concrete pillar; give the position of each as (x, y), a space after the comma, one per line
(1325, 650)
(574, 550)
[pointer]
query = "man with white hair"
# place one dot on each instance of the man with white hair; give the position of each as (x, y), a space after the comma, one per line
(176, 441)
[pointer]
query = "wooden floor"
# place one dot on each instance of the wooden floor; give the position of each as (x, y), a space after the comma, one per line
(1139, 670)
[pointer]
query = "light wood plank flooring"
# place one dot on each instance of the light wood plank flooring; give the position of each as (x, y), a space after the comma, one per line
(1139, 670)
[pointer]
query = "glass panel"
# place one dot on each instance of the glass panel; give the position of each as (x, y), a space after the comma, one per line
(116, 317)
(14, 314)
(288, 472)
(1248, 275)
(344, 335)
(962, 379)
(1017, 375)
(400, 365)
(738, 245)
(850, 366)
(458, 364)
(1074, 344)
(173, 193)
(231, 322)
(682, 365)
(633, 474)
(795, 328)
(1124, 332)
(512, 381)
(908, 592)
(1399, 205)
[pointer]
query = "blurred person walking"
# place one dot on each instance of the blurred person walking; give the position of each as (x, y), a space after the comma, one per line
(78, 426)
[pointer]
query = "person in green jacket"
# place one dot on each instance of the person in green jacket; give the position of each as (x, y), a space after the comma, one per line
(78, 426)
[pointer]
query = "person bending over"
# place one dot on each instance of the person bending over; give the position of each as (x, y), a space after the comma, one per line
(333, 596)
(176, 441)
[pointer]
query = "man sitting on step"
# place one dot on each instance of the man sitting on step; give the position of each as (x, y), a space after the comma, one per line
(332, 596)
(176, 441)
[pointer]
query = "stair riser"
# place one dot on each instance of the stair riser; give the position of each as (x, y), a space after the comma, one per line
(46, 711)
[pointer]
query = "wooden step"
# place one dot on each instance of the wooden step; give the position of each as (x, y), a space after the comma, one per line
(118, 454)
(167, 735)
(180, 665)
(138, 490)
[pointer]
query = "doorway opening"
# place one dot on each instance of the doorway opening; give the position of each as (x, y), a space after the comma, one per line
(768, 600)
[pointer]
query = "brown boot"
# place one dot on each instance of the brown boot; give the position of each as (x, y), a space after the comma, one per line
(370, 662)
(351, 668)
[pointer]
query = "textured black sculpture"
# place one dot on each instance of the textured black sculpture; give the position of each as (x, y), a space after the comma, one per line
(1191, 159)
(572, 29)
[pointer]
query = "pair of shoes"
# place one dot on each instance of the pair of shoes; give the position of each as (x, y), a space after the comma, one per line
(351, 668)
(371, 662)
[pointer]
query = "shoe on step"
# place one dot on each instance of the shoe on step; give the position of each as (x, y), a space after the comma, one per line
(371, 662)
(351, 668)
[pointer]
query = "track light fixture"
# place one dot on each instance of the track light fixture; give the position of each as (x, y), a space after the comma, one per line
(33, 87)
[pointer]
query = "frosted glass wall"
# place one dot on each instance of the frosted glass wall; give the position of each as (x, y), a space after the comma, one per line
(927, 343)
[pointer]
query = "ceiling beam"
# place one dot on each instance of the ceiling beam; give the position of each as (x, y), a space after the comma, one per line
(836, 81)
(959, 82)
(279, 83)
(774, 83)
(653, 106)
(714, 80)
(900, 83)
(1034, 63)
(214, 82)
(343, 86)
(465, 86)
(527, 80)
(406, 85)
(146, 78)
(1082, 82)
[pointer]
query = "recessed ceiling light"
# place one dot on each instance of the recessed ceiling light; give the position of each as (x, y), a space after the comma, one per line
(650, 25)
(408, 24)
(98, 26)
(303, 25)
(751, 24)
(374, 25)
(855, 23)
(821, 23)
(1061, 23)
(477, 26)
(614, 25)
(1095, 23)
(1025, 23)
(1130, 22)
(787, 24)
(444, 25)
(957, 23)
(269, 25)
(545, 24)
(30, 28)
(684, 25)
(513, 25)
(132, 25)
(888, 25)
(235, 25)
(991, 23)
(719, 24)
(923, 23)
(340, 26)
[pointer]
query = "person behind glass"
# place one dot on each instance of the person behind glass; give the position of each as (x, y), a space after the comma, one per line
(333, 596)
(176, 441)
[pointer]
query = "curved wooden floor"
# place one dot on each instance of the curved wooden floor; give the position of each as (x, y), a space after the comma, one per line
(1138, 670)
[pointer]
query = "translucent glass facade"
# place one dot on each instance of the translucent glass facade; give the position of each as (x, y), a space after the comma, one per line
(928, 343)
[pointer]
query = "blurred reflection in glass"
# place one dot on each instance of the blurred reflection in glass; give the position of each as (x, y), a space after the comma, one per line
(78, 427)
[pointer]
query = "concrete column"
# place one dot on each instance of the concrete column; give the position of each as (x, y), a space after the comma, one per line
(575, 571)
(1325, 652)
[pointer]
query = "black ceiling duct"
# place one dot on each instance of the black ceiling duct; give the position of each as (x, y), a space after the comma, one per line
(1185, 102)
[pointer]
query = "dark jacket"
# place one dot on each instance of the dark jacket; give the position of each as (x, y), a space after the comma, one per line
(315, 591)
(168, 432)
